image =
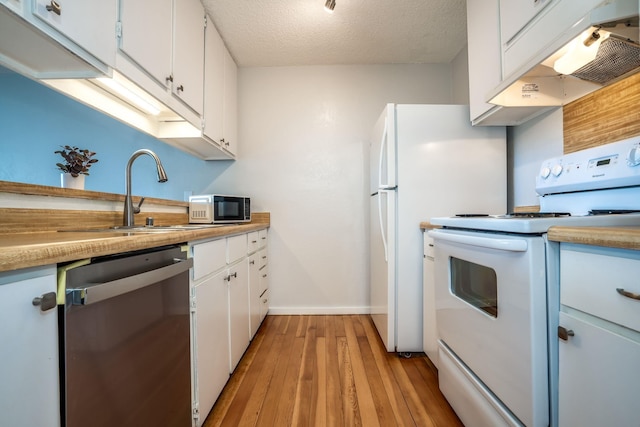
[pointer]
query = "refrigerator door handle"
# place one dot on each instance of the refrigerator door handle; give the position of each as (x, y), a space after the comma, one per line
(383, 144)
(382, 230)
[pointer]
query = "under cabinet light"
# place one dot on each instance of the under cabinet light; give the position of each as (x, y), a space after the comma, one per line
(581, 50)
(129, 95)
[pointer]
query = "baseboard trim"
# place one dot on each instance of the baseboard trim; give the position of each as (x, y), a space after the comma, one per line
(317, 310)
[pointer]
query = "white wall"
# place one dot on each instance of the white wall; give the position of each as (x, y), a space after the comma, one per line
(460, 76)
(530, 144)
(304, 157)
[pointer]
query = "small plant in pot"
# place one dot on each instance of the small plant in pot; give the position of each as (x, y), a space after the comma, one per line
(76, 164)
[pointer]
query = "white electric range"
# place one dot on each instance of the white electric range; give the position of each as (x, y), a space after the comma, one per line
(497, 287)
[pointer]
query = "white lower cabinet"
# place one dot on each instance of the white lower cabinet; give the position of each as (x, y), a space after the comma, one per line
(30, 385)
(599, 336)
(225, 296)
(238, 285)
(212, 341)
(254, 294)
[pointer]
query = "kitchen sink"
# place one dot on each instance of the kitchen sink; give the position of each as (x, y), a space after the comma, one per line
(145, 228)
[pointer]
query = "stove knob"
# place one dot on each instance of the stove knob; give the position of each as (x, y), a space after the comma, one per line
(544, 173)
(556, 170)
(633, 158)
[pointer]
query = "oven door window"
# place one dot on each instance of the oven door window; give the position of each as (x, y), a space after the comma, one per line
(475, 284)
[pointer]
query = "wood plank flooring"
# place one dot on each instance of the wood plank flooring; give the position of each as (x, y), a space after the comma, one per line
(329, 371)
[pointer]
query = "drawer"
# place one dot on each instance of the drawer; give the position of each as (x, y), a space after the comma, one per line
(236, 248)
(209, 257)
(589, 277)
(263, 280)
(263, 258)
(264, 304)
(253, 242)
(262, 235)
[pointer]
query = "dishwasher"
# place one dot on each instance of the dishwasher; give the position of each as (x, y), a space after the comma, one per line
(125, 336)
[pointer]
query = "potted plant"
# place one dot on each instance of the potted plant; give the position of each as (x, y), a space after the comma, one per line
(75, 166)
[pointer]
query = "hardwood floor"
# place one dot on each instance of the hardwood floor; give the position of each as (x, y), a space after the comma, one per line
(329, 371)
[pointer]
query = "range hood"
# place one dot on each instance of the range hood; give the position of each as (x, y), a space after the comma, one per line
(601, 48)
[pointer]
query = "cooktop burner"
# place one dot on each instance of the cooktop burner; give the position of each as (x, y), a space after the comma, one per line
(611, 211)
(537, 214)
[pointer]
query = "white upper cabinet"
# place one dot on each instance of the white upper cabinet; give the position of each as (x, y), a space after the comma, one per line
(213, 83)
(230, 112)
(146, 35)
(61, 39)
(165, 41)
(188, 53)
(89, 23)
(515, 15)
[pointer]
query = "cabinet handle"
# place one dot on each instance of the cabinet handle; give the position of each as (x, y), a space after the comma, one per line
(228, 278)
(264, 275)
(46, 301)
(54, 7)
(180, 88)
(628, 294)
(169, 79)
(564, 334)
(252, 262)
(264, 301)
(254, 241)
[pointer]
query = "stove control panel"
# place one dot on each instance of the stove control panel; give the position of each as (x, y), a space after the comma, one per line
(612, 165)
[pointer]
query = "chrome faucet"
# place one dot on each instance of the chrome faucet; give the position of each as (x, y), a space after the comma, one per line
(129, 209)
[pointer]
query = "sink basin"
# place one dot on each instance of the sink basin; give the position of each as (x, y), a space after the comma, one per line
(146, 229)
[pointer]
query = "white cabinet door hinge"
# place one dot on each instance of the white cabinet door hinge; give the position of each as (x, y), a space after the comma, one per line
(119, 29)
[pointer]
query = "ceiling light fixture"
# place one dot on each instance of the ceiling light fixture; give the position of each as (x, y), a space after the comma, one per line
(330, 5)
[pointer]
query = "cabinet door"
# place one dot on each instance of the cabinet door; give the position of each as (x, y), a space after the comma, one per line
(599, 381)
(89, 23)
(254, 293)
(230, 111)
(239, 331)
(213, 83)
(514, 15)
(483, 40)
(188, 53)
(147, 36)
(212, 341)
(30, 392)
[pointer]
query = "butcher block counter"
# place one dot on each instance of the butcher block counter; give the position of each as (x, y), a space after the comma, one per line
(30, 249)
(42, 225)
(613, 237)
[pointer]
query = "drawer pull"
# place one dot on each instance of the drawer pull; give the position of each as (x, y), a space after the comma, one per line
(564, 334)
(628, 294)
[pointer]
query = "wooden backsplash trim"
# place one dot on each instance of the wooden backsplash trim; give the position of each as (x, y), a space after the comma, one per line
(607, 115)
(15, 220)
(45, 190)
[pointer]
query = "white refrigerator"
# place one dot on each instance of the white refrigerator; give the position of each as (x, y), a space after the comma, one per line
(425, 161)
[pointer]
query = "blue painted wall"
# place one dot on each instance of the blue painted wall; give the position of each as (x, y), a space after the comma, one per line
(35, 121)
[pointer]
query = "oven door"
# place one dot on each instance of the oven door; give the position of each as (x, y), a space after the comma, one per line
(491, 313)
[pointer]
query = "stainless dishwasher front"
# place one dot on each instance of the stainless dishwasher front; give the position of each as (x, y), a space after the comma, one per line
(126, 342)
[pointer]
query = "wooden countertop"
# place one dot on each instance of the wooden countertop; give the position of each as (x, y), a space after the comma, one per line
(426, 225)
(21, 250)
(613, 237)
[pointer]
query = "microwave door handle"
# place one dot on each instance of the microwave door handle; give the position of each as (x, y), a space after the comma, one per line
(509, 245)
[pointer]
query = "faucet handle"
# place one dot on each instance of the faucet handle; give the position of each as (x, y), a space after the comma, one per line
(136, 210)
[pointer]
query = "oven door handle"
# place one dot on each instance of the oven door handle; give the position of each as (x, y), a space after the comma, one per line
(510, 245)
(96, 292)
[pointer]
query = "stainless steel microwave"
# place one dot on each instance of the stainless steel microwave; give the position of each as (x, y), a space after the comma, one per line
(219, 209)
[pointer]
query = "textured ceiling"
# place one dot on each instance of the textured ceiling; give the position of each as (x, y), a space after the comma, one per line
(300, 32)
